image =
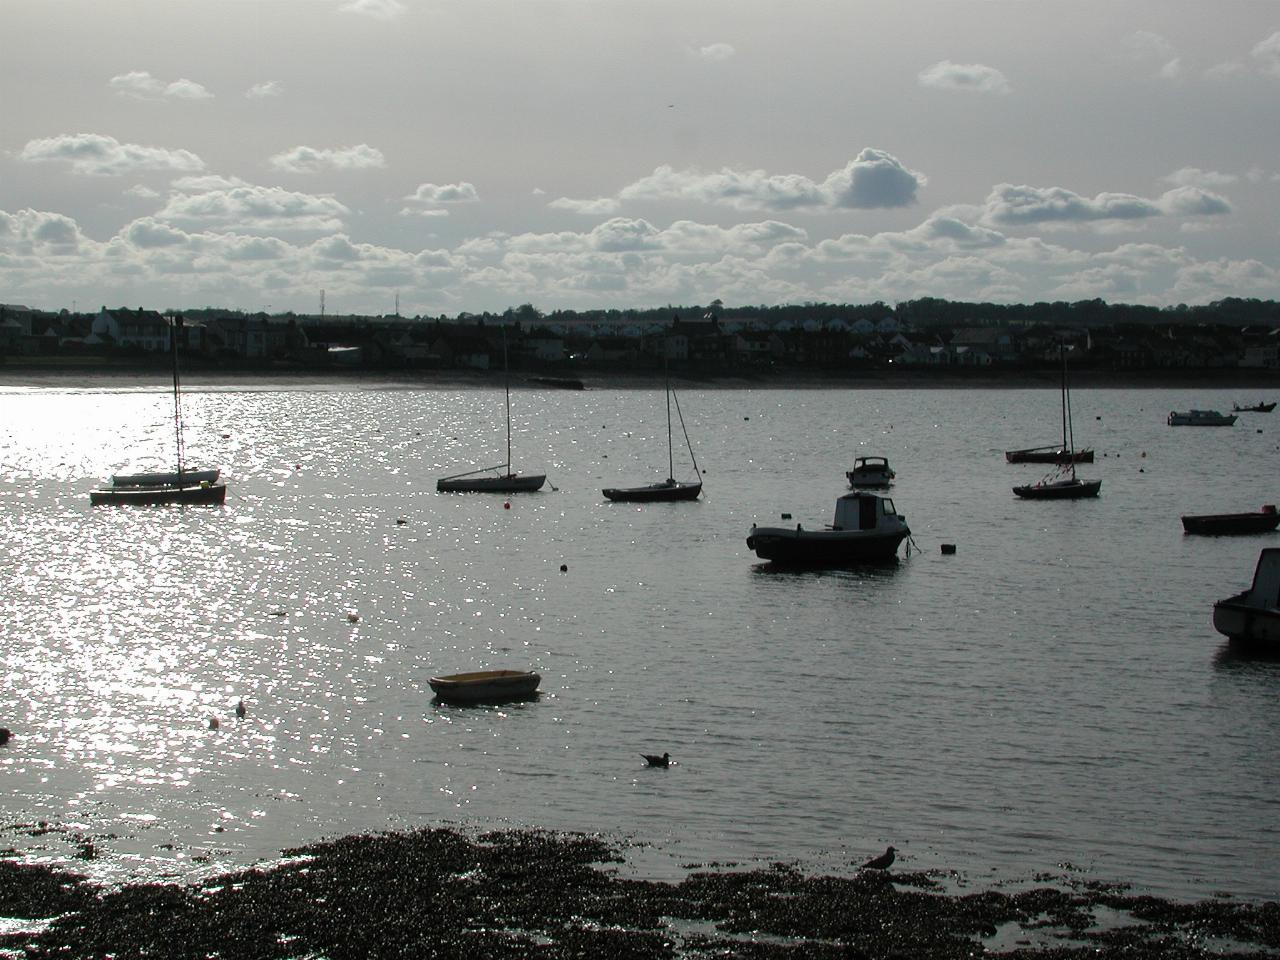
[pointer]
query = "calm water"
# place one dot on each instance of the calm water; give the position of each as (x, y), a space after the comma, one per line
(1052, 697)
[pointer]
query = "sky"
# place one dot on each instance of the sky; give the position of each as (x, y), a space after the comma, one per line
(473, 155)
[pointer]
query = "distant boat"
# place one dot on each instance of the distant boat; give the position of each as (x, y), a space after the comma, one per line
(1226, 524)
(499, 478)
(870, 472)
(561, 383)
(1256, 408)
(669, 490)
(486, 686)
(866, 529)
(1063, 485)
(1053, 453)
(177, 486)
(1252, 618)
(1200, 418)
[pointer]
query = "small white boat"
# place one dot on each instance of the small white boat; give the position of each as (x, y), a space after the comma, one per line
(486, 686)
(867, 529)
(1200, 418)
(1252, 618)
(870, 472)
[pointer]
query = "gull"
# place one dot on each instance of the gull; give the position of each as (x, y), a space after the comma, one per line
(881, 862)
(662, 761)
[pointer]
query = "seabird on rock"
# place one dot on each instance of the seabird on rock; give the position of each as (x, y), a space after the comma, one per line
(662, 761)
(881, 862)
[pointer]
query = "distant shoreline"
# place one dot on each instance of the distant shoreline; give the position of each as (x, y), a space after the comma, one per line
(138, 377)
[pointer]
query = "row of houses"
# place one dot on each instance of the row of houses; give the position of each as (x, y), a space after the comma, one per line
(710, 341)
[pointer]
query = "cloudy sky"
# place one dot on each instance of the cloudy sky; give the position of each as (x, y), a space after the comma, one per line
(478, 154)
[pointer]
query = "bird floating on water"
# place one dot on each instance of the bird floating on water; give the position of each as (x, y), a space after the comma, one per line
(213, 723)
(4, 736)
(662, 761)
(240, 710)
(881, 862)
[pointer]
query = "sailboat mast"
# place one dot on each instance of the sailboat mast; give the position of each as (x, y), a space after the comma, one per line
(506, 376)
(671, 462)
(174, 326)
(1068, 429)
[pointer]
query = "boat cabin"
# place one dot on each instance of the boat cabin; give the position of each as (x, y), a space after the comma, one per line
(862, 511)
(1265, 592)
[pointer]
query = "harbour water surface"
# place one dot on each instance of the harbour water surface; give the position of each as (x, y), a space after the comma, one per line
(1052, 698)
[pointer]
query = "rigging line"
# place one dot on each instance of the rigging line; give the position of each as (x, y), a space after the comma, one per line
(687, 441)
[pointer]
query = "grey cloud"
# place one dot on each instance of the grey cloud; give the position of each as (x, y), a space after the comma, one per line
(1267, 55)
(433, 193)
(598, 206)
(976, 77)
(256, 208)
(1021, 205)
(95, 154)
(1195, 177)
(1193, 202)
(378, 9)
(149, 233)
(265, 89)
(716, 51)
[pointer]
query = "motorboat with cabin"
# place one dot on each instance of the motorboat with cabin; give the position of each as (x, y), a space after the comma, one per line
(870, 472)
(867, 528)
(1252, 618)
(1200, 418)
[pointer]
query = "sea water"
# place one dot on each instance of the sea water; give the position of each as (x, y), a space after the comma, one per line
(1051, 698)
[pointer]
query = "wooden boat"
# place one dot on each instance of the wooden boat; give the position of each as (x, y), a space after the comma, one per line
(180, 485)
(1256, 408)
(1053, 453)
(486, 686)
(870, 472)
(499, 478)
(1225, 524)
(866, 529)
(669, 490)
(1064, 484)
(1200, 418)
(1252, 618)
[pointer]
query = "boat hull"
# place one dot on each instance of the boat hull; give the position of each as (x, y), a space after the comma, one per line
(1256, 408)
(1228, 524)
(486, 686)
(825, 548)
(655, 493)
(1247, 625)
(1053, 455)
(1201, 418)
(511, 483)
(1059, 490)
(201, 494)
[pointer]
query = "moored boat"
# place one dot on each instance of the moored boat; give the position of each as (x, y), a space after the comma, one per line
(1255, 408)
(1252, 618)
(1224, 524)
(486, 686)
(668, 491)
(481, 481)
(870, 472)
(866, 529)
(1200, 418)
(165, 479)
(1064, 484)
(197, 493)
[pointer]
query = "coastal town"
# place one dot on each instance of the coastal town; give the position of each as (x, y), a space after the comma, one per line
(1240, 336)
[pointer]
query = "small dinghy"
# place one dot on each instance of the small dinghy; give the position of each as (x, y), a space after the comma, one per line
(486, 686)
(1226, 524)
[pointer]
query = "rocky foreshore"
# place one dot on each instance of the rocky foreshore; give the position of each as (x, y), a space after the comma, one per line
(523, 894)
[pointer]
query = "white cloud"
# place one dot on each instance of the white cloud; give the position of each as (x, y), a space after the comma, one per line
(265, 89)
(378, 9)
(207, 182)
(313, 160)
(716, 51)
(1267, 55)
(977, 77)
(96, 154)
(426, 201)
(1010, 205)
(1226, 71)
(142, 192)
(255, 208)
(1147, 47)
(874, 179)
(596, 207)
(141, 85)
(1195, 177)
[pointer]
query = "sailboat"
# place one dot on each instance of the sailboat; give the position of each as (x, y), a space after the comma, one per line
(1063, 485)
(485, 480)
(179, 486)
(669, 489)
